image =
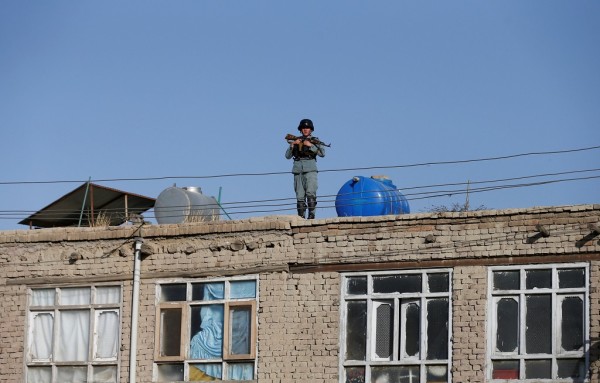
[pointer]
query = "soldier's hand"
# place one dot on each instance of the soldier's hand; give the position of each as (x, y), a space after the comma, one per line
(308, 143)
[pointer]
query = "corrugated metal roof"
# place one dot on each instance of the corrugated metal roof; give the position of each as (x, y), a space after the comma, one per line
(104, 204)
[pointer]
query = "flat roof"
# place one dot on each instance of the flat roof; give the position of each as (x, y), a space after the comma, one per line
(89, 203)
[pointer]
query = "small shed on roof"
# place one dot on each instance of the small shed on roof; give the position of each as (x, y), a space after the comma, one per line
(90, 205)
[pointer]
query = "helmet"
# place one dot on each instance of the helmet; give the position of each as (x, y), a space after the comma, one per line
(306, 123)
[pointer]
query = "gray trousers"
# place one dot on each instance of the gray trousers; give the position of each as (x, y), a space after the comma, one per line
(305, 185)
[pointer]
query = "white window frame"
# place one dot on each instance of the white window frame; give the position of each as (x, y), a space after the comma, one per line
(186, 308)
(400, 302)
(55, 310)
(557, 295)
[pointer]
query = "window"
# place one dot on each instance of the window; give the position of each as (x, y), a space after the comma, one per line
(206, 330)
(396, 327)
(538, 322)
(73, 334)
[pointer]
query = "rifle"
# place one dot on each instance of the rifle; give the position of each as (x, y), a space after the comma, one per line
(314, 141)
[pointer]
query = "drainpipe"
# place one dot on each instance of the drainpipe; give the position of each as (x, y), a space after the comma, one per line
(135, 309)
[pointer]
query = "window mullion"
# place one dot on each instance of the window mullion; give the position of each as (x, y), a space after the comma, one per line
(397, 334)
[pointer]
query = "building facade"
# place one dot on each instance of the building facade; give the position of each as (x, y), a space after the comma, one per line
(487, 296)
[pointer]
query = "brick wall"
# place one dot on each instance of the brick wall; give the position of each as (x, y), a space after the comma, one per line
(299, 264)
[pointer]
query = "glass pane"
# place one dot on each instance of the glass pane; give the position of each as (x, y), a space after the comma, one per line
(240, 371)
(240, 328)
(356, 330)
(437, 329)
(413, 329)
(207, 332)
(204, 372)
(107, 329)
(395, 374)
(538, 324)
(507, 325)
(40, 344)
(170, 332)
(108, 294)
(169, 372)
(437, 374)
(75, 296)
(208, 291)
(73, 336)
(505, 369)
(39, 374)
(356, 285)
(439, 282)
(105, 374)
(538, 279)
(42, 297)
(538, 369)
(406, 283)
(71, 374)
(355, 374)
(572, 324)
(571, 368)
(384, 322)
(242, 289)
(571, 278)
(506, 280)
(173, 293)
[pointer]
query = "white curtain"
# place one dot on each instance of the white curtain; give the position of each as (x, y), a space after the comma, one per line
(42, 297)
(107, 327)
(73, 337)
(105, 374)
(69, 374)
(39, 375)
(108, 294)
(40, 342)
(75, 296)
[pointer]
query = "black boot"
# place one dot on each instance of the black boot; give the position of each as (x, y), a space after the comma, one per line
(301, 208)
(312, 205)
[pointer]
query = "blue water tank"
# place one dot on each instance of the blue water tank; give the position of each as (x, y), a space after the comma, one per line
(368, 196)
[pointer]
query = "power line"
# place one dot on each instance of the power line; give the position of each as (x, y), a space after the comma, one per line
(321, 171)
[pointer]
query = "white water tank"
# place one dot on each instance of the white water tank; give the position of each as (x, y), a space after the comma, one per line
(187, 204)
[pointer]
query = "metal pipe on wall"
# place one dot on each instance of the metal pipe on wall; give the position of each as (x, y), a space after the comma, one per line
(135, 308)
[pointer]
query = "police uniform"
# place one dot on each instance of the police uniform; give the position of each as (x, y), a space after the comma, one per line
(305, 171)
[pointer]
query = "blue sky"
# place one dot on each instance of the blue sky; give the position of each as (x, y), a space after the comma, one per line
(141, 89)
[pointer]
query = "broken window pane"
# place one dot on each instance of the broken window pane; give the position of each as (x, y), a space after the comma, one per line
(506, 280)
(173, 292)
(436, 374)
(396, 374)
(571, 278)
(355, 375)
(571, 368)
(437, 328)
(105, 374)
(507, 325)
(505, 369)
(170, 332)
(384, 321)
(538, 369)
(404, 283)
(438, 282)
(357, 285)
(169, 372)
(413, 329)
(538, 279)
(572, 324)
(205, 372)
(538, 324)
(356, 330)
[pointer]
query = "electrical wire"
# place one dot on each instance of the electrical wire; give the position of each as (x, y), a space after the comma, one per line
(432, 163)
